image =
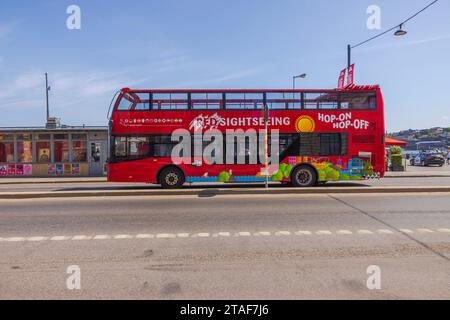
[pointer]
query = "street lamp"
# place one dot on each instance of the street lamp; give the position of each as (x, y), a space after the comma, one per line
(400, 32)
(302, 76)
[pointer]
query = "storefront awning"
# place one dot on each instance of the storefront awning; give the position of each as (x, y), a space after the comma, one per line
(395, 142)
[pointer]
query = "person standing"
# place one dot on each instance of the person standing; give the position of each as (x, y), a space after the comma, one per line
(448, 158)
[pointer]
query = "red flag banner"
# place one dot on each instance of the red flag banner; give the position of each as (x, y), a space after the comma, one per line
(351, 75)
(341, 81)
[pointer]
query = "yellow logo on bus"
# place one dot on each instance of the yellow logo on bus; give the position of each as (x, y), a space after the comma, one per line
(305, 124)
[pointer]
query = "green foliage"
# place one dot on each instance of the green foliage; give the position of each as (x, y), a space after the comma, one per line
(397, 160)
(396, 150)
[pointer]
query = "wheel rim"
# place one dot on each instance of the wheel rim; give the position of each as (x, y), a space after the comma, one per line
(304, 177)
(172, 179)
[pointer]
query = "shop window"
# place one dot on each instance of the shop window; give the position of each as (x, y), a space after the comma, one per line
(24, 151)
(24, 148)
(6, 152)
(79, 151)
(43, 154)
(61, 149)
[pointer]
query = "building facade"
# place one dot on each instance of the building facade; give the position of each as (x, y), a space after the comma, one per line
(53, 151)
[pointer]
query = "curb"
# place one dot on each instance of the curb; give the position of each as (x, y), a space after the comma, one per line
(52, 182)
(206, 193)
(419, 176)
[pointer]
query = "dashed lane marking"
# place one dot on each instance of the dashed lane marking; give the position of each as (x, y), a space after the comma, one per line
(242, 234)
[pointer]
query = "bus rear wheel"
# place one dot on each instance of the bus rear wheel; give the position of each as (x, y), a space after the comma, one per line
(304, 177)
(171, 178)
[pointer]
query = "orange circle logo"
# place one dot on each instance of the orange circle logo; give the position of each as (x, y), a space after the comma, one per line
(305, 124)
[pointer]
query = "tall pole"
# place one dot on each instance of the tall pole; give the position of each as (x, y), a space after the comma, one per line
(349, 56)
(266, 143)
(47, 88)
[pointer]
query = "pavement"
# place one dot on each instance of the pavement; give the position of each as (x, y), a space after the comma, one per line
(97, 187)
(292, 246)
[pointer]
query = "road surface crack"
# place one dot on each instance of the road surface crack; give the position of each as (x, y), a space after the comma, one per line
(367, 214)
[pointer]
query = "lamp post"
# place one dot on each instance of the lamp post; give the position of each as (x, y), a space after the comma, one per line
(47, 89)
(399, 32)
(302, 76)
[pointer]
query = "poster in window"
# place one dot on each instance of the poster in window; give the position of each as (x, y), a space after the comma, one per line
(51, 169)
(44, 155)
(19, 170)
(59, 169)
(27, 169)
(67, 169)
(76, 169)
(11, 169)
(3, 170)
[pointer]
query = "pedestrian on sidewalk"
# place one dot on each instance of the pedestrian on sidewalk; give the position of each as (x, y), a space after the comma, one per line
(448, 158)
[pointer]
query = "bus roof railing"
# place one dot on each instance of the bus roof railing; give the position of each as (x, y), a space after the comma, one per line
(347, 89)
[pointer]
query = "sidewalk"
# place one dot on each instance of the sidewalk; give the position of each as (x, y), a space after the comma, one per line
(421, 172)
(34, 180)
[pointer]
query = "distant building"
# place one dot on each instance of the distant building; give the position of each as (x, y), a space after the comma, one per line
(52, 151)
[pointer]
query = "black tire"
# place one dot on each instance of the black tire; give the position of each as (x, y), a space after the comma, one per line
(304, 177)
(171, 178)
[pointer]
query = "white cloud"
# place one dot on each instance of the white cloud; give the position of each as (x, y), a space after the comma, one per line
(29, 80)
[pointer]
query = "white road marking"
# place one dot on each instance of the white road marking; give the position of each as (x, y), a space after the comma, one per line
(303, 233)
(145, 236)
(283, 233)
(15, 239)
(224, 234)
(344, 232)
(123, 237)
(219, 234)
(324, 233)
(37, 239)
(60, 238)
(165, 236)
(183, 235)
(385, 231)
(81, 238)
(102, 237)
(203, 235)
(423, 230)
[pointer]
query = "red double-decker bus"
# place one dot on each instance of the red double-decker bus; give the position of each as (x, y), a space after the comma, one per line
(321, 135)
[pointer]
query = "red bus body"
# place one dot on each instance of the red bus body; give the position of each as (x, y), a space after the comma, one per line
(356, 114)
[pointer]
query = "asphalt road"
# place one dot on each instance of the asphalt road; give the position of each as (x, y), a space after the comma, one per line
(92, 186)
(227, 247)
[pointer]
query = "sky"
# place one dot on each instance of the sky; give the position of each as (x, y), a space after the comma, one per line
(217, 44)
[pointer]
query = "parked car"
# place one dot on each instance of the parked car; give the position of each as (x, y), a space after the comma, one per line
(427, 159)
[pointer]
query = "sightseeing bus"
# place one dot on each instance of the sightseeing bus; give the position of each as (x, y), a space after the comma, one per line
(300, 137)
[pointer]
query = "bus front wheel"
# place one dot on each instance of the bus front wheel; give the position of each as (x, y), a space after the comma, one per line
(171, 178)
(304, 176)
